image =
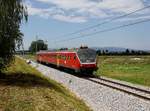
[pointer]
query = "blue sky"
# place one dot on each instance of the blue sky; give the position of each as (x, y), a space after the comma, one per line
(49, 19)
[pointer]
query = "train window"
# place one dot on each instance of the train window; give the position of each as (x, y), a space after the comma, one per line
(74, 57)
(68, 57)
(59, 56)
(64, 57)
(87, 55)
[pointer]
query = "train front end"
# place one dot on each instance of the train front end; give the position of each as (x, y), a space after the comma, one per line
(88, 60)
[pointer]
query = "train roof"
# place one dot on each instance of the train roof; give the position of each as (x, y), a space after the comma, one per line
(62, 51)
(57, 51)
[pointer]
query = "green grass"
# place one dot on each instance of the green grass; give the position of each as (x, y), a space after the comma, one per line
(134, 69)
(30, 56)
(22, 88)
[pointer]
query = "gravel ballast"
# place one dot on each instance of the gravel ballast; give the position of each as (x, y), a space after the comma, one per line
(98, 97)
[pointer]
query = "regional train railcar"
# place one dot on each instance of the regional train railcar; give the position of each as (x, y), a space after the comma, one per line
(80, 60)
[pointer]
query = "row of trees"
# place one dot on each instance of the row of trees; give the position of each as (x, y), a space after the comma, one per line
(127, 52)
(37, 46)
(12, 14)
(34, 47)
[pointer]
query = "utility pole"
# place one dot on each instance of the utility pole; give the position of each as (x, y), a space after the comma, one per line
(46, 42)
(36, 47)
(55, 44)
(22, 48)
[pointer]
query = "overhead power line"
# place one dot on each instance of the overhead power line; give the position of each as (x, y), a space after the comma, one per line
(106, 30)
(105, 22)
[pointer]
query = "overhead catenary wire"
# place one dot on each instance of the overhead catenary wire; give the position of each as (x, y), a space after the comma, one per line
(106, 30)
(105, 22)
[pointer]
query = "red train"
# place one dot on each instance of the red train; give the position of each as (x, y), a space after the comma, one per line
(80, 60)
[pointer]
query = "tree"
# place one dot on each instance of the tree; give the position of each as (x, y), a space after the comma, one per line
(107, 52)
(103, 52)
(127, 52)
(12, 13)
(132, 52)
(98, 52)
(37, 46)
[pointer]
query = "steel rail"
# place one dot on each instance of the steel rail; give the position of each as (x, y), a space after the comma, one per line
(122, 89)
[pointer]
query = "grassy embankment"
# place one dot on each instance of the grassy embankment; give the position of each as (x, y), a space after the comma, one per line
(134, 69)
(22, 88)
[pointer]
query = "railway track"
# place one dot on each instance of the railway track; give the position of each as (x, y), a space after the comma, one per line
(131, 90)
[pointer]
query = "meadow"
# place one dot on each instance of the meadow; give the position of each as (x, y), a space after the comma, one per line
(134, 69)
(22, 88)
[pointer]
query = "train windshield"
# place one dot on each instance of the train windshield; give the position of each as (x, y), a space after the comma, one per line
(87, 55)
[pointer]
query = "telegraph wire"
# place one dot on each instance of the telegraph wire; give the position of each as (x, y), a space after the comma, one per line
(105, 22)
(106, 30)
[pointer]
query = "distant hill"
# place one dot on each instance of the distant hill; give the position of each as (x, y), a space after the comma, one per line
(114, 49)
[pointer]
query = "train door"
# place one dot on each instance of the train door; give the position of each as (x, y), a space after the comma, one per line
(58, 60)
(73, 60)
(65, 59)
(68, 60)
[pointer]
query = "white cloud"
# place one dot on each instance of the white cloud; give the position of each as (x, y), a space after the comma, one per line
(135, 18)
(73, 19)
(83, 10)
(121, 5)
